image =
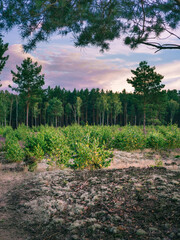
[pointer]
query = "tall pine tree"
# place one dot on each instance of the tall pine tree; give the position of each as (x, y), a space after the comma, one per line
(29, 81)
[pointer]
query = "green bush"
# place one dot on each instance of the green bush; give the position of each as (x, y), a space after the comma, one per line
(33, 140)
(91, 156)
(155, 140)
(86, 145)
(7, 131)
(22, 132)
(14, 152)
(129, 138)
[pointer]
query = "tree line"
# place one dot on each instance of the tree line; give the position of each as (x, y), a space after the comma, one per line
(33, 105)
(60, 107)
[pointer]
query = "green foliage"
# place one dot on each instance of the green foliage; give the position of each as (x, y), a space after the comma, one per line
(14, 152)
(3, 49)
(162, 137)
(91, 156)
(129, 138)
(139, 22)
(55, 108)
(104, 134)
(29, 82)
(7, 131)
(22, 132)
(155, 140)
(146, 83)
(83, 147)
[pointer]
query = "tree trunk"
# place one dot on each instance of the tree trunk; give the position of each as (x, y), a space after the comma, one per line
(103, 118)
(10, 120)
(56, 121)
(27, 114)
(16, 112)
(125, 114)
(107, 119)
(86, 115)
(114, 120)
(111, 118)
(5, 119)
(93, 116)
(144, 120)
(97, 118)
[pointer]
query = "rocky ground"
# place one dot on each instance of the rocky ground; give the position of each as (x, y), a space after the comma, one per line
(121, 202)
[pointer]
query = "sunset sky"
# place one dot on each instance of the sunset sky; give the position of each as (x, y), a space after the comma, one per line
(70, 67)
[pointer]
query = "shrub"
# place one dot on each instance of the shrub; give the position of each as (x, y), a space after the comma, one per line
(129, 138)
(7, 131)
(91, 156)
(155, 140)
(22, 132)
(14, 152)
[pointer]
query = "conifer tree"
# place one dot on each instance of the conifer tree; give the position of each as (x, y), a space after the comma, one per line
(29, 81)
(147, 83)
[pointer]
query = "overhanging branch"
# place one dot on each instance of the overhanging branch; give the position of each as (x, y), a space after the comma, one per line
(162, 47)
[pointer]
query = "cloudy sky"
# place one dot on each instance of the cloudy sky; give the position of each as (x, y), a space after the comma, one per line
(70, 67)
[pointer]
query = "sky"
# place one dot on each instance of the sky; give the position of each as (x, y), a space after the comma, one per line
(81, 68)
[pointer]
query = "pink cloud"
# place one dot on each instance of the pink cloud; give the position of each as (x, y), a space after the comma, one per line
(71, 68)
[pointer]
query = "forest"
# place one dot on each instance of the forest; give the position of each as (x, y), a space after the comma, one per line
(95, 107)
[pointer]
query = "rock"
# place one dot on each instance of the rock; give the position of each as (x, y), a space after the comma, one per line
(95, 198)
(59, 221)
(161, 187)
(95, 226)
(141, 232)
(172, 235)
(176, 197)
(174, 182)
(76, 224)
(153, 229)
(118, 188)
(167, 225)
(74, 237)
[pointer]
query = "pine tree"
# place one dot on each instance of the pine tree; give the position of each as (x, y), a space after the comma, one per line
(29, 81)
(146, 83)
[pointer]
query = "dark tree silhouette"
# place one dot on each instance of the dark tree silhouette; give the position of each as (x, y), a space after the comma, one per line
(94, 22)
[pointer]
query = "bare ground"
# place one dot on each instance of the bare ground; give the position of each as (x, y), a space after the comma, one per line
(121, 202)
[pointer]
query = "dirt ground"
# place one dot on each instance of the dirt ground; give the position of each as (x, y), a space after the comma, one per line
(132, 199)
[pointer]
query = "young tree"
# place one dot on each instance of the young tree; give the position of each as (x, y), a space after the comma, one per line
(55, 109)
(146, 83)
(173, 107)
(36, 111)
(4, 106)
(68, 111)
(117, 106)
(78, 108)
(102, 106)
(29, 81)
(3, 49)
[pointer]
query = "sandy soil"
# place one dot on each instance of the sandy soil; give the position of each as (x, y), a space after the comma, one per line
(118, 203)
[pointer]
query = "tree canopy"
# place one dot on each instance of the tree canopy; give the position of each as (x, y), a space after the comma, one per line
(3, 59)
(94, 22)
(147, 83)
(29, 81)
